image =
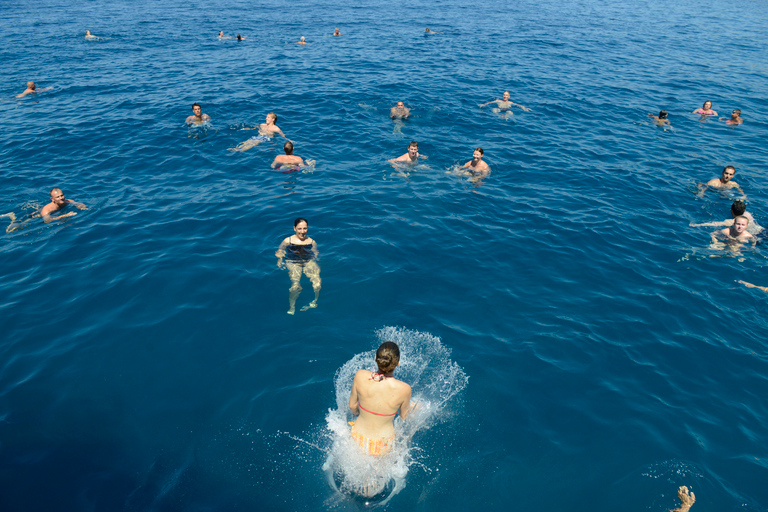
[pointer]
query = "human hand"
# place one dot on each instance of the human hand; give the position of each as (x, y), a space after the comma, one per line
(686, 499)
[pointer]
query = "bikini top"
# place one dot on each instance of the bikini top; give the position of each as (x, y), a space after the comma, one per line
(299, 252)
(376, 377)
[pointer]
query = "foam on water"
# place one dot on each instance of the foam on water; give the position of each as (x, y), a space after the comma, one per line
(426, 365)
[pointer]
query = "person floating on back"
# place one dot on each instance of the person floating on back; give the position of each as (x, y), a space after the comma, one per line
(504, 105)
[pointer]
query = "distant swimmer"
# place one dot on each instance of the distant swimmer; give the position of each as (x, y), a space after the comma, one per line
(737, 208)
(221, 34)
(89, 36)
(288, 159)
(430, 31)
(198, 117)
(58, 201)
(240, 38)
(661, 119)
(336, 33)
(723, 183)
(504, 105)
(300, 253)
(267, 130)
(476, 166)
(31, 88)
(706, 110)
(686, 499)
(375, 399)
(735, 233)
(735, 118)
(300, 41)
(750, 285)
(411, 157)
(399, 111)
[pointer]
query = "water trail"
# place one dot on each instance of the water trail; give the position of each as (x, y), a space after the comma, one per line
(426, 365)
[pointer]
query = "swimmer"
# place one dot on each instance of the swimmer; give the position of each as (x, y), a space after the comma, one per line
(240, 38)
(476, 166)
(430, 31)
(735, 118)
(411, 157)
(504, 105)
(336, 33)
(686, 499)
(58, 201)
(267, 130)
(300, 253)
(737, 208)
(89, 36)
(288, 159)
(723, 183)
(31, 88)
(300, 41)
(375, 399)
(221, 35)
(750, 285)
(661, 119)
(706, 110)
(735, 233)
(399, 111)
(198, 117)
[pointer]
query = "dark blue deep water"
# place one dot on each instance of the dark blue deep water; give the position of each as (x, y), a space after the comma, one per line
(147, 362)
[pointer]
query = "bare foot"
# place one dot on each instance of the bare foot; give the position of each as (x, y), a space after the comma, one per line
(312, 304)
(292, 311)
(686, 499)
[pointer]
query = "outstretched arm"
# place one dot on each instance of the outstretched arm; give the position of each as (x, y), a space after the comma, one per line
(486, 104)
(353, 400)
(719, 223)
(522, 107)
(405, 407)
(750, 285)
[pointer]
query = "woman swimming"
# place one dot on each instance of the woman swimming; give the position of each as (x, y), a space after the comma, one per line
(300, 253)
(706, 109)
(375, 399)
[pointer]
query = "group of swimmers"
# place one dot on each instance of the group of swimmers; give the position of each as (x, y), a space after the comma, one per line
(705, 112)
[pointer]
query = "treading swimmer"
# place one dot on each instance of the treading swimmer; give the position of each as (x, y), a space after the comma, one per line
(300, 253)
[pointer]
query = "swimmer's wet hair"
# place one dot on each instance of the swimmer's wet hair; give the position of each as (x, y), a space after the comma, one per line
(738, 208)
(299, 221)
(274, 116)
(388, 356)
(663, 114)
(480, 150)
(413, 143)
(196, 105)
(730, 167)
(741, 217)
(55, 190)
(737, 111)
(288, 147)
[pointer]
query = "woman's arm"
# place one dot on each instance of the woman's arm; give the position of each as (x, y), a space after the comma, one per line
(405, 406)
(353, 400)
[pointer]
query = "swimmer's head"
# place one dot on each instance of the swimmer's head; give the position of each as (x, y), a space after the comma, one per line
(273, 116)
(740, 223)
(87, 32)
(288, 148)
(707, 105)
(301, 39)
(738, 208)
(400, 104)
(480, 150)
(736, 112)
(57, 196)
(299, 221)
(31, 85)
(221, 33)
(505, 96)
(413, 144)
(388, 357)
(728, 173)
(663, 114)
(239, 37)
(197, 109)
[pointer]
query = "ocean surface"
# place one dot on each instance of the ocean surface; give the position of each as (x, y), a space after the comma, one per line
(580, 346)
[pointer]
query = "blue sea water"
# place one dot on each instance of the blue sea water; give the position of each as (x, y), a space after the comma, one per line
(147, 362)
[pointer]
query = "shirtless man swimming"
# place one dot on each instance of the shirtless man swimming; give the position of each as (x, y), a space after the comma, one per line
(399, 111)
(58, 201)
(198, 117)
(288, 159)
(336, 33)
(267, 130)
(476, 166)
(722, 183)
(89, 36)
(411, 157)
(504, 105)
(737, 208)
(661, 119)
(735, 117)
(31, 89)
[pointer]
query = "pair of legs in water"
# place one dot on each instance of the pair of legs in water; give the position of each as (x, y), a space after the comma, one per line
(310, 269)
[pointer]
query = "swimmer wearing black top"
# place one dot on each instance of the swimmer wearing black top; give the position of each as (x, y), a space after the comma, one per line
(300, 253)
